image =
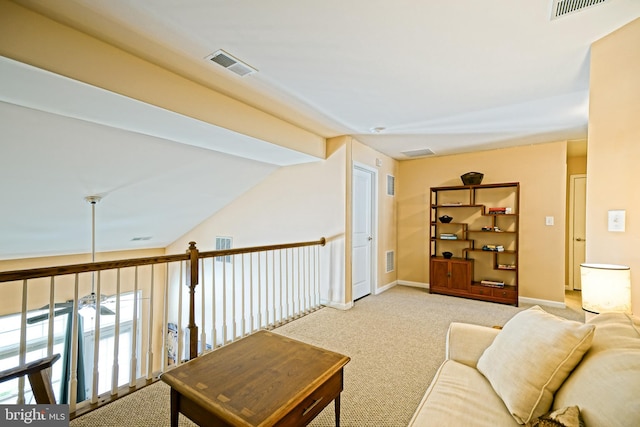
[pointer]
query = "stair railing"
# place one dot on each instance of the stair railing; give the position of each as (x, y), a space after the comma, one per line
(232, 292)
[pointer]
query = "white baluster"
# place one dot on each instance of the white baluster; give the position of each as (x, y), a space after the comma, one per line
(96, 343)
(115, 372)
(134, 334)
(150, 327)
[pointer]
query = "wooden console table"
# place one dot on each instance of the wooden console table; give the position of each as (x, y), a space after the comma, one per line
(264, 379)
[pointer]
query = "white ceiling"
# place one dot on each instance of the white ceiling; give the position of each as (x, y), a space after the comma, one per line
(451, 76)
(159, 173)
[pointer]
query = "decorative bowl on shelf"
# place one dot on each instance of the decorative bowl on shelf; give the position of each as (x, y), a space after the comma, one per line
(472, 178)
(447, 255)
(445, 218)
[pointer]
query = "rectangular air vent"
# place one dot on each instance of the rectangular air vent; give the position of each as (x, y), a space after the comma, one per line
(231, 63)
(390, 261)
(418, 153)
(223, 243)
(391, 185)
(560, 8)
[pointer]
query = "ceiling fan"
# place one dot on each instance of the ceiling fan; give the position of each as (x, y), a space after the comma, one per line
(89, 300)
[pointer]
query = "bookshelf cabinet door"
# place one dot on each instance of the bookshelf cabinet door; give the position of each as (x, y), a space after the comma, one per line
(450, 275)
(439, 274)
(460, 275)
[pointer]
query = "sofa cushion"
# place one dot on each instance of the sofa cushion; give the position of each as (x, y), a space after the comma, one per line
(459, 395)
(531, 357)
(606, 384)
(466, 342)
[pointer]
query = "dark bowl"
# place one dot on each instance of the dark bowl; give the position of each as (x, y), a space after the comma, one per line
(447, 255)
(445, 218)
(472, 178)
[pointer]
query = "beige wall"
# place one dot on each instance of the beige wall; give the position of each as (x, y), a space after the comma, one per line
(33, 39)
(541, 171)
(614, 151)
(295, 203)
(306, 202)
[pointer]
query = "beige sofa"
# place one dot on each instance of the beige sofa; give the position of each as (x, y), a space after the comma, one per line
(537, 367)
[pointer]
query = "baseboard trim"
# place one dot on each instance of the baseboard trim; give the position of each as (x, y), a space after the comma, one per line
(535, 301)
(385, 287)
(413, 284)
(336, 305)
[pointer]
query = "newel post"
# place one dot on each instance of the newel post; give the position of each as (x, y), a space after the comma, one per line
(192, 280)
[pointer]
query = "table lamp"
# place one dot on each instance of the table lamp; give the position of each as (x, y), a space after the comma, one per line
(605, 288)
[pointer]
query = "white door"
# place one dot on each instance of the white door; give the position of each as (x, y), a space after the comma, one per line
(362, 231)
(577, 228)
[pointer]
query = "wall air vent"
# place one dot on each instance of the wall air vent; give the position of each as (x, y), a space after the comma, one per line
(418, 153)
(391, 185)
(231, 63)
(560, 8)
(223, 243)
(391, 261)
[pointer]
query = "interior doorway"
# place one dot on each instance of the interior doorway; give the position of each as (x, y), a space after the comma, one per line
(577, 228)
(364, 190)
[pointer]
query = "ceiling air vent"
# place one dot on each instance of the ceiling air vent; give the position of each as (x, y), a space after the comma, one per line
(231, 63)
(560, 8)
(418, 153)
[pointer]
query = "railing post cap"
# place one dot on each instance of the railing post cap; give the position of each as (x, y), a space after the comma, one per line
(192, 245)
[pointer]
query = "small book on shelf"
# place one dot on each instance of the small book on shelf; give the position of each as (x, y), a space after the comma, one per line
(493, 248)
(448, 236)
(500, 210)
(492, 283)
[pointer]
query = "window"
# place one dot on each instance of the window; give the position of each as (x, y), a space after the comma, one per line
(37, 340)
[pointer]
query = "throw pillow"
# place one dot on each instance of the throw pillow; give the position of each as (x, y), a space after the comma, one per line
(531, 357)
(564, 417)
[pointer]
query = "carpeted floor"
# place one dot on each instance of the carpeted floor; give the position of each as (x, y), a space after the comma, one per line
(396, 342)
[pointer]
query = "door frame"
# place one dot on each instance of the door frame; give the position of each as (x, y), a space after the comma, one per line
(373, 209)
(572, 186)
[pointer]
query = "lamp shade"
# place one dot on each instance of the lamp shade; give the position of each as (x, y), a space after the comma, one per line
(605, 287)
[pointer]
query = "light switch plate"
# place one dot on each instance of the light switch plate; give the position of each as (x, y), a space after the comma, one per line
(548, 220)
(616, 220)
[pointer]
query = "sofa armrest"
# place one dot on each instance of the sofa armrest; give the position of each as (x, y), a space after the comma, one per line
(467, 342)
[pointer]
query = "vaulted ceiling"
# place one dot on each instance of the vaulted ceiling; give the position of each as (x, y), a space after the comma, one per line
(399, 76)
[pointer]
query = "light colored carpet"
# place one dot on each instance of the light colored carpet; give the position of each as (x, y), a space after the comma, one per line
(396, 342)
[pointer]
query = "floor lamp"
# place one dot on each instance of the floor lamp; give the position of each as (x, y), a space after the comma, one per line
(605, 288)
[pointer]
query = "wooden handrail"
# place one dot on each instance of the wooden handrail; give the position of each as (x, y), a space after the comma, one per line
(35, 273)
(238, 251)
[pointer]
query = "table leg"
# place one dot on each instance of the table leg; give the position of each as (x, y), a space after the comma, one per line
(337, 401)
(41, 387)
(175, 398)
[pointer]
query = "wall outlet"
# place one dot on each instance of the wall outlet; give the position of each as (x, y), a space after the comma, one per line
(548, 220)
